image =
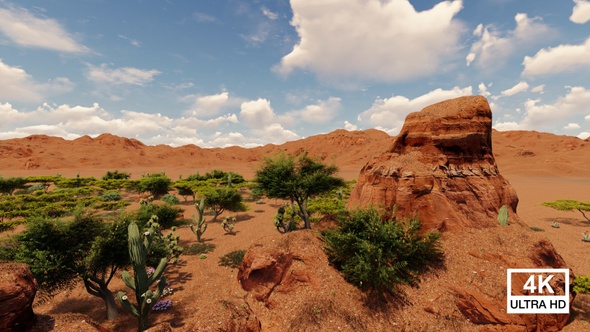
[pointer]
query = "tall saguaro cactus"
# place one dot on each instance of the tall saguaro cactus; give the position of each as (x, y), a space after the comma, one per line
(200, 226)
(139, 245)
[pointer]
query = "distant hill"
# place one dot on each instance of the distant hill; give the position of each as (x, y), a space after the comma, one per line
(516, 152)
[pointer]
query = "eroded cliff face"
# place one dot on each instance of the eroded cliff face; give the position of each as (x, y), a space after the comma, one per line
(441, 168)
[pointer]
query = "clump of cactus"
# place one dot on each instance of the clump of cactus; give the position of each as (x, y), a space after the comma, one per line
(199, 227)
(228, 224)
(139, 245)
(555, 224)
(503, 215)
(586, 236)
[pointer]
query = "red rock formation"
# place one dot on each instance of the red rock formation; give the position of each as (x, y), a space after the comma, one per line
(17, 292)
(440, 167)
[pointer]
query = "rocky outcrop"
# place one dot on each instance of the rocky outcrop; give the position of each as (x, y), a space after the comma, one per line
(440, 167)
(17, 292)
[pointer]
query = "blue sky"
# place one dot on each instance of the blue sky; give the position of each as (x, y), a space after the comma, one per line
(227, 72)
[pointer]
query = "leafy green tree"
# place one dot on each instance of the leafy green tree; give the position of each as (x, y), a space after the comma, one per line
(222, 199)
(156, 184)
(185, 188)
(297, 180)
(377, 255)
(9, 185)
(105, 258)
(116, 175)
(569, 205)
(59, 253)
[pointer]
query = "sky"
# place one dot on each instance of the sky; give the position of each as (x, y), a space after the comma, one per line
(218, 73)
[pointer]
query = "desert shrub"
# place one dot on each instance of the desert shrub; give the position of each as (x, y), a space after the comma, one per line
(582, 284)
(111, 196)
(35, 187)
(380, 254)
(221, 199)
(54, 248)
(156, 184)
(9, 185)
(536, 229)
(170, 199)
(111, 206)
(167, 214)
(326, 205)
(8, 248)
(116, 175)
(232, 259)
(199, 248)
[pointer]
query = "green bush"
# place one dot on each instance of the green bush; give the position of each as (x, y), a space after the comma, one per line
(156, 184)
(199, 248)
(111, 196)
(170, 199)
(116, 175)
(35, 187)
(582, 284)
(167, 214)
(8, 248)
(379, 255)
(232, 259)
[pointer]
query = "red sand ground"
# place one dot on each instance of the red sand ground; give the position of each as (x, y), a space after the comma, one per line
(541, 167)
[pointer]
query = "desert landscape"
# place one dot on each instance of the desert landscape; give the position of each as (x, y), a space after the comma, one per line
(462, 296)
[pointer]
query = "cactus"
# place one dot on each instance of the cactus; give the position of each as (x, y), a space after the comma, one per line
(200, 226)
(229, 178)
(503, 215)
(228, 224)
(140, 283)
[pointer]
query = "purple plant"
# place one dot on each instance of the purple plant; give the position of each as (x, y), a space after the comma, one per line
(162, 305)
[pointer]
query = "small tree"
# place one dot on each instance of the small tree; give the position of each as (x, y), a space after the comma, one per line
(59, 252)
(9, 185)
(297, 180)
(116, 175)
(221, 199)
(156, 184)
(105, 258)
(569, 205)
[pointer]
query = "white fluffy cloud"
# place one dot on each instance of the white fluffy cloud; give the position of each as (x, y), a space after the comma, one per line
(572, 126)
(494, 46)
(519, 87)
(120, 76)
(322, 112)
(581, 12)
(17, 85)
(349, 126)
(388, 114)
(391, 42)
(562, 58)
(25, 29)
(257, 113)
(209, 105)
(540, 116)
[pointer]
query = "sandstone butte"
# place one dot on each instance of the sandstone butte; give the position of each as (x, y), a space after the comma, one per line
(441, 168)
